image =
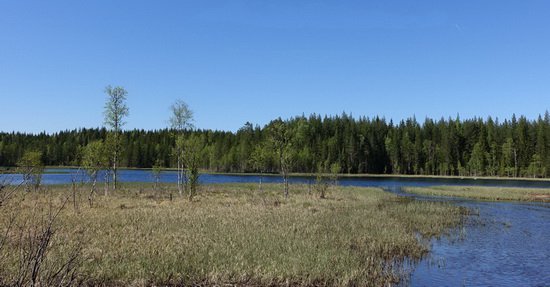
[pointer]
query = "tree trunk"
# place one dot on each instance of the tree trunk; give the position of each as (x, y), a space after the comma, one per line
(91, 195)
(115, 159)
(105, 190)
(94, 182)
(260, 185)
(309, 183)
(115, 170)
(106, 187)
(180, 175)
(285, 180)
(516, 172)
(74, 196)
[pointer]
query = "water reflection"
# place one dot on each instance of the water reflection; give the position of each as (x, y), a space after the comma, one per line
(64, 176)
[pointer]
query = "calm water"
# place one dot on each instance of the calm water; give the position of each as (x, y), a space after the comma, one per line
(63, 176)
(504, 244)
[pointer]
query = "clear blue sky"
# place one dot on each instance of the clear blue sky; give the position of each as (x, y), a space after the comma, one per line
(238, 61)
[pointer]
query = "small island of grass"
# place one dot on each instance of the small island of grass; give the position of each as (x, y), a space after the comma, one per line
(485, 192)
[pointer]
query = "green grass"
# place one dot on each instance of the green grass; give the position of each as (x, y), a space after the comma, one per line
(7, 170)
(485, 193)
(235, 234)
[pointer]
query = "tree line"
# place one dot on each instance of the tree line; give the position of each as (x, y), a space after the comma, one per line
(515, 147)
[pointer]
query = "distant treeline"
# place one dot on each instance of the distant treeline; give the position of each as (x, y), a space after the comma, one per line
(477, 147)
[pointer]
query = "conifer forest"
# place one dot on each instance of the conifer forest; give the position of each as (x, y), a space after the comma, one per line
(514, 147)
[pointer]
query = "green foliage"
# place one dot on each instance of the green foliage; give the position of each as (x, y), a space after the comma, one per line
(335, 169)
(536, 169)
(179, 157)
(115, 107)
(182, 116)
(280, 137)
(321, 185)
(261, 157)
(363, 145)
(156, 171)
(115, 112)
(192, 151)
(32, 168)
(95, 157)
(509, 158)
(181, 120)
(477, 160)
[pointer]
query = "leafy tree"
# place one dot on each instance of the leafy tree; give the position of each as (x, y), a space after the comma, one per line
(94, 159)
(363, 145)
(192, 147)
(259, 159)
(335, 169)
(477, 160)
(30, 165)
(179, 154)
(182, 116)
(115, 112)
(280, 138)
(181, 119)
(321, 185)
(540, 155)
(392, 148)
(508, 157)
(536, 168)
(156, 171)
(428, 148)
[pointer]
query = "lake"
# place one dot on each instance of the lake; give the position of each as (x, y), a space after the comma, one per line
(502, 244)
(66, 175)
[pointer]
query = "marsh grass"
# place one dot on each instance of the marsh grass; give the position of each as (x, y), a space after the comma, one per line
(235, 234)
(485, 192)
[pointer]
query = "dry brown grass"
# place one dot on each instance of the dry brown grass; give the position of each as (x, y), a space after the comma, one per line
(486, 192)
(234, 234)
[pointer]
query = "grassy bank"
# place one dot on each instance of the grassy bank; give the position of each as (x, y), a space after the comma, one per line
(233, 233)
(485, 193)
(7, 170)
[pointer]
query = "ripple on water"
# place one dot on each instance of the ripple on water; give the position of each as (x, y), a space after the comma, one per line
(509, 249)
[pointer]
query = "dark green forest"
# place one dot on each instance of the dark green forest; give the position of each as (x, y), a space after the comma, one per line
(516, 147)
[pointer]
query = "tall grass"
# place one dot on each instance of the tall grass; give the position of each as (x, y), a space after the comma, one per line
(234, 234)
(485, 192)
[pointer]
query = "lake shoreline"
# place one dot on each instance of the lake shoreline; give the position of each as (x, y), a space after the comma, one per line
(12, 170)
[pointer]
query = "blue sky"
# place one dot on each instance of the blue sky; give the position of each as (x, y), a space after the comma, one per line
(239, 61)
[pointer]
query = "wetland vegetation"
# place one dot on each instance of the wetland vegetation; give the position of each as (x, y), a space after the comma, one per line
(485, 192)
(230, 233)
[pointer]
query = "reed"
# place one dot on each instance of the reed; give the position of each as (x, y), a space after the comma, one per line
(235, 234)
(485, 192)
